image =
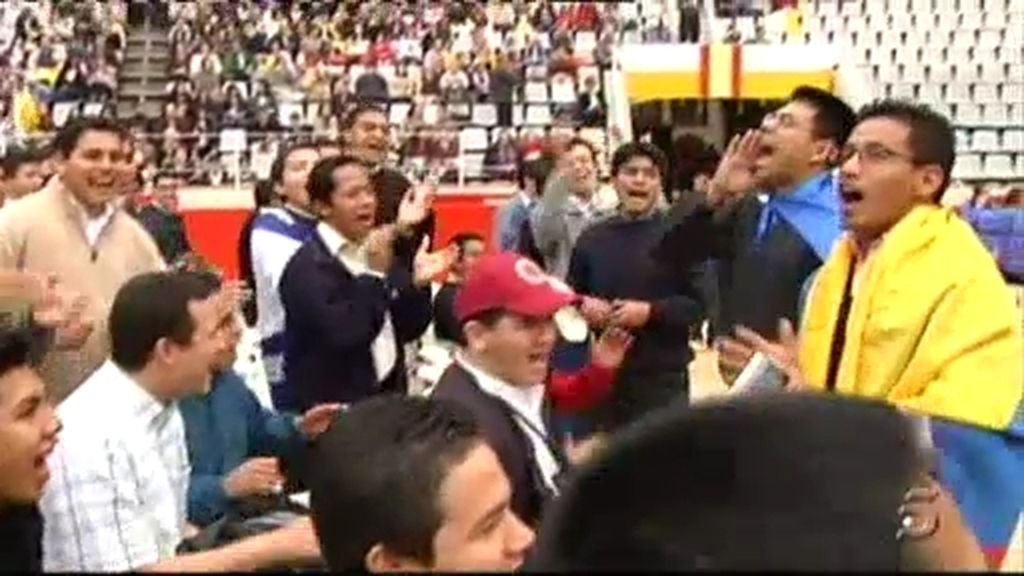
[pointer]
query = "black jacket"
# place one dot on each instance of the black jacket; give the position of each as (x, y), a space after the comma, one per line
(759, 282)
(504, 435)
(333, 318)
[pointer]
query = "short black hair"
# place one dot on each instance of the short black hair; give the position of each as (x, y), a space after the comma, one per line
(152, 306)
(833, 119)
(263, 193)
(631, 150)
(577, 141)
(931, 136)
(380, 468)
(321, 179)
(462, 238)
(277, 168)
(15, 348)
(773, 481)
(535, 169)
(358, 110)
(67, 139)
(16, 157)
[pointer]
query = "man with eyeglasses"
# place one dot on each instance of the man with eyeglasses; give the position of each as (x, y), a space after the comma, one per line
(770, 216)
(910, 308)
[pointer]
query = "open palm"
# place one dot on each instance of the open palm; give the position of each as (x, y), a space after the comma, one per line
(428, 265)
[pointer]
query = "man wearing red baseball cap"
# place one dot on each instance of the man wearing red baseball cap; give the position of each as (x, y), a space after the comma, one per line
(509, 310)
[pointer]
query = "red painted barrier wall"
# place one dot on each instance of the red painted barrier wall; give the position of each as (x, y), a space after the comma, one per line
(214, 218)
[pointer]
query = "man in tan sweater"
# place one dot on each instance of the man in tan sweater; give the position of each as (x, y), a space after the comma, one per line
(73, 229)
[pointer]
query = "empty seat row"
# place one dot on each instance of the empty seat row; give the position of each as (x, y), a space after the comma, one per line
(918, 21)
(954, 93)
(988, 166)
(940, 72)
(853, 8)
(901, 40)
(990, 140)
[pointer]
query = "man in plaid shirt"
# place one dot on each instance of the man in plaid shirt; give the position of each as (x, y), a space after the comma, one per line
(116, 499)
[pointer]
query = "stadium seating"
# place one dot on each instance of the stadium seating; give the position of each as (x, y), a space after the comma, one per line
(962, 57)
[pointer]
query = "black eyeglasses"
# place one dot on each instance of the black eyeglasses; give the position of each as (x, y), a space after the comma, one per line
(873, 153)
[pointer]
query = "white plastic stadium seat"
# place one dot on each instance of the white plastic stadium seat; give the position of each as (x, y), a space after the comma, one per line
(939, 72)
(1013, 141)
(995, 115)
(1016, 115)
(1020, 166)
(930, 94)
(538, 114)
(998, 166)
(1013, 92)
(485, 114)
(986, 93)
(984, 140)
(968, 114)
(991, 39)
(902, 90)
(536, 92)
(963, 140)
(473, 139)
(958, 92)
(967, 166)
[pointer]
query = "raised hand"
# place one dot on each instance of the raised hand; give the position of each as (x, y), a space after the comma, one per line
(428, 265)
(317, 419)
(49, 309)
(415, 207)
(735, 174)
(76, 327)
(380, 248)
(610, 349)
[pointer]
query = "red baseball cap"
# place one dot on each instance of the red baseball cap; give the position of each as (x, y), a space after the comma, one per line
(510, 282)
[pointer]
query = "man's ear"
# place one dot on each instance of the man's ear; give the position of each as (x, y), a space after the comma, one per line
(162, 351)
(382, 560)
(930, 178)
(826, 153)
(474, 333)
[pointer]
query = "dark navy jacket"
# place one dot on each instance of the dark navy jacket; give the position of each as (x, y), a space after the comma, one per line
(333, 318)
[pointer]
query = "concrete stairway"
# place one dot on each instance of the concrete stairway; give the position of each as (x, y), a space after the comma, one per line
(144, 75)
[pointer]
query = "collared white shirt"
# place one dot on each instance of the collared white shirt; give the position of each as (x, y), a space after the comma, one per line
(528, 403)
(352, 256)
(116, 499)
(94, 225)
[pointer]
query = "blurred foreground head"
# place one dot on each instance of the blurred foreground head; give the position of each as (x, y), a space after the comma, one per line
(768, 482)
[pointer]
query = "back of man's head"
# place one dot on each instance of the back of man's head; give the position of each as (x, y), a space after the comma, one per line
(773, 482)
(378, 477)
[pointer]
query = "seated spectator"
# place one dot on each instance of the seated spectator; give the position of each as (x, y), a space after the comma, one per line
(234, 444)
(784, 482)
(20, 173)
(28, 432)
(161, 219)
(409, 484)
(468, 247)
(120, 473)
(371, 86)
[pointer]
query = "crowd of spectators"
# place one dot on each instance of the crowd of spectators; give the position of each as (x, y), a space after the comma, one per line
(281, 74)
(513, 72)
(57, 52)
